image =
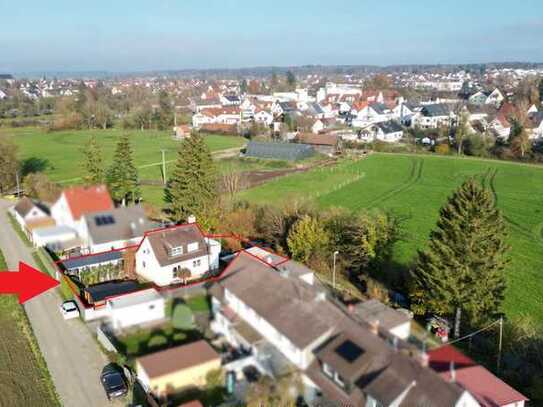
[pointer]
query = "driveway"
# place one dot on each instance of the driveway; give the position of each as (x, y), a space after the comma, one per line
(72, 355)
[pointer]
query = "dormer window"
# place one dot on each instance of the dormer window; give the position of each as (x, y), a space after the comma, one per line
(191, 247)
(327, 369)
(176, 251)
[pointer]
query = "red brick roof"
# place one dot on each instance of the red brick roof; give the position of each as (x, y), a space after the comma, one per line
(83, 200)
(489, 390)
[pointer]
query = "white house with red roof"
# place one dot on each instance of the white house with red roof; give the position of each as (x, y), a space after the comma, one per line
(74, 202)
(453, 366)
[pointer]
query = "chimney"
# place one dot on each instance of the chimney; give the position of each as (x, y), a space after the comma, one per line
(424, 359)
(453, 371)
(374, 326)
(191, 219)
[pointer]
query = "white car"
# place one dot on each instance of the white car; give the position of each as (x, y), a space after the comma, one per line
(69, 310)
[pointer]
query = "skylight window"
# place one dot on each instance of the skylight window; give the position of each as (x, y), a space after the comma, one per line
(349, 351)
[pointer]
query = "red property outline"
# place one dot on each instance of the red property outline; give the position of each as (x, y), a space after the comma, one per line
(158, 288)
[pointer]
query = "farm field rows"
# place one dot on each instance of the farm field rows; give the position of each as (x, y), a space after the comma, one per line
(23, 374)
(415, 187)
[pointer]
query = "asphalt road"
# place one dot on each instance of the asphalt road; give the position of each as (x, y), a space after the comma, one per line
(72, 355)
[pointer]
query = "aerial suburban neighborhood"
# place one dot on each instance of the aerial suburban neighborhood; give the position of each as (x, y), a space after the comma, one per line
(271, 205)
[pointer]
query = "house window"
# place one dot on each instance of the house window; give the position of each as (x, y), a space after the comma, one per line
(192, 247)
(197, 263)
(339, 380)
(327, 370)
(371, 402)
(143, 264)
(176, 251)
(151, 307)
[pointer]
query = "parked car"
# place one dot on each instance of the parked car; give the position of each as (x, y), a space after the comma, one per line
(114, 381)
(69, 310)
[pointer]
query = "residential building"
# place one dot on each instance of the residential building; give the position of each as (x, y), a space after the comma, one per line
(488, 390)
(113, 229)
(268, 306)
(31, 215)
(77, 201)
(178, 368)
(174, 255)
(434, 116)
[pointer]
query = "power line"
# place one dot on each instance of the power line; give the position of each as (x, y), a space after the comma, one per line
(471, 334)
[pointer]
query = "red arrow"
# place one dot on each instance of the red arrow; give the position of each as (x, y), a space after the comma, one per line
(26, 283)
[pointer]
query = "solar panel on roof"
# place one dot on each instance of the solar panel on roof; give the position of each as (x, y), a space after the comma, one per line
(349, 351)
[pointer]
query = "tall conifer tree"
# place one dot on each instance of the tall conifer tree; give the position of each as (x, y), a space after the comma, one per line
(122, 176)
(461, 273)
(93, 163)
(192, 188)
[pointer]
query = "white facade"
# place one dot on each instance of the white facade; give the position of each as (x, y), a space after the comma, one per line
(264, 117)
(136, 308)
(148, 266)
(61, 213)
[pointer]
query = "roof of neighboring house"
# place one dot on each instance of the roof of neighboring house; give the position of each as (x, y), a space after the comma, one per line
(390, 127)
(54, 231)
(293, 307)
(92, 260)
(318, 139)
(123, 223)
(301, 313)
(439, 109)
(177, 359)
(135, 298)
(489, 390)
(82, 200)
(25, 205)
(42, 222)
(374, 310)
(162, 241)
(535, 119)
(507, 110)
(379, 108)
(100, 292)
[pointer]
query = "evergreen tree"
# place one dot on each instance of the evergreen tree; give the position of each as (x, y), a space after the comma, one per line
(461, 271)
(122, 176)
(291, 80)
(93, 163)
(243, 86)
(192, 188)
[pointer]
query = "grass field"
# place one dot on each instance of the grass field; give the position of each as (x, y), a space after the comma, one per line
(416, 187)
(24, 379)
(60, 155)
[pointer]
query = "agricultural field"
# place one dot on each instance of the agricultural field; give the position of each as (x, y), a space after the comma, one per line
(415, 187)
(60, 155)
(23, 373)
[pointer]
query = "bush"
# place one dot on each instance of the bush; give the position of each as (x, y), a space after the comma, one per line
(157, 341)
(182, 317)
(442, 149)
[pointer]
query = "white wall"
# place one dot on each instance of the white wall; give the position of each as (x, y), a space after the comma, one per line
(136, 314)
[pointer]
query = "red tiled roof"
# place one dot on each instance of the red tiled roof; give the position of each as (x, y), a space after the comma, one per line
(83, 200)
(489, 390)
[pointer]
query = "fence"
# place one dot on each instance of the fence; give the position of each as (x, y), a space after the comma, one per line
(103, 336)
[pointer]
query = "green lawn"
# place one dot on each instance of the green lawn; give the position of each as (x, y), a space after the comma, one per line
(24, 378)
(59, 154)
(416, 187)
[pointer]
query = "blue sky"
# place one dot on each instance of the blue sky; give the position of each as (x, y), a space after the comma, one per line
(120, 35)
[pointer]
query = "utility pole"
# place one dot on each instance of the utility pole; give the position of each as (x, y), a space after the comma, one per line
(164, 166)
(500, 346)
(18, 184)
(334, 273)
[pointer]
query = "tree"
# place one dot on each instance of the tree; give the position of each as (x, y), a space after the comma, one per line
(38, 185)
(541, 90)
(462, 269)
(9, 165)
(307, 238)
(461, 132)
(192, 188)
(93, 163)
(268, 392)
(122, 176)
(291, 80)
(165, 114)
(243, 86)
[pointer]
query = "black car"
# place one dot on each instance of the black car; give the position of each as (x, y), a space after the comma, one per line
(113, 381)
